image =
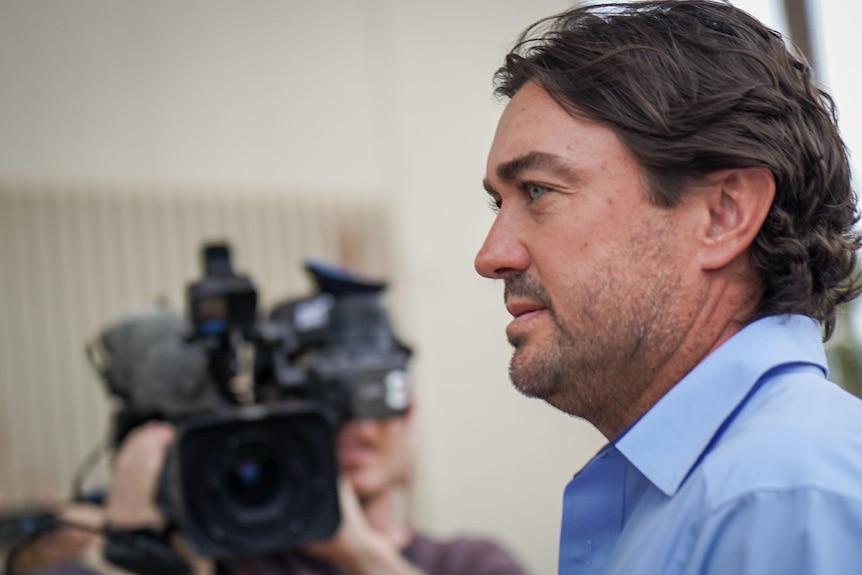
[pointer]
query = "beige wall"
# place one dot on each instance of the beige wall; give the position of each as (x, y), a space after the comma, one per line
(382, 100)
(387, 101)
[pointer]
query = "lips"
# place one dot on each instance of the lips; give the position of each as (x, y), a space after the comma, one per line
(354, 453)
(353, 457)
(521, 308)
(356, 444)
(525, 313)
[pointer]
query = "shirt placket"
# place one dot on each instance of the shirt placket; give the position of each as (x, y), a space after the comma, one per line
(592, 515)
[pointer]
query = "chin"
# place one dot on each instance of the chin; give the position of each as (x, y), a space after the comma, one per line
(533, 377)
(358, 479)
(368, 484)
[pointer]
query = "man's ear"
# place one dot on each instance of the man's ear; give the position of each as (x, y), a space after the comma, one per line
(738, 201)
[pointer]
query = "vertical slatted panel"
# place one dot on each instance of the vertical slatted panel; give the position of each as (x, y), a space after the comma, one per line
(72, 262)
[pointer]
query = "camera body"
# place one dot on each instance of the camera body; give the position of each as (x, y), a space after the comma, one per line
(257, 403)
(254, 480)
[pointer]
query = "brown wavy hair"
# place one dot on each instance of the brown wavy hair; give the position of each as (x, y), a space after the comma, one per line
(694, 86)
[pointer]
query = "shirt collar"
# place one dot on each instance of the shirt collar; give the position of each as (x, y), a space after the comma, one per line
(667, 442)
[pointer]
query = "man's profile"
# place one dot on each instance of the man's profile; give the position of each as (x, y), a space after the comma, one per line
(675, 231)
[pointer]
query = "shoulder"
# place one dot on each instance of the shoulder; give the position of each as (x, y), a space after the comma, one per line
(799, 433)
(463, 556)
(782, 488)
(779, 489)
(805, 530)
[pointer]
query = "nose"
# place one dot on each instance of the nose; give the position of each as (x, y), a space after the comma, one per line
(502, 253)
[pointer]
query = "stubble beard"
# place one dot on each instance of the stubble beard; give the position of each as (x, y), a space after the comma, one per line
(542, 373)
(537, 373)
(615, 335)
(551, 373)
(592, 374)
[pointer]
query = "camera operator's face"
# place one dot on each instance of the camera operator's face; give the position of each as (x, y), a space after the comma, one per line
(375, 454)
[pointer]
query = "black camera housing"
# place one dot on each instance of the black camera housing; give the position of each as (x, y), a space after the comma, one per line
(255, 480)
(246, 477)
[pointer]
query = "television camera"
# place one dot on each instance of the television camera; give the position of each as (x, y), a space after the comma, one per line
(256, 403)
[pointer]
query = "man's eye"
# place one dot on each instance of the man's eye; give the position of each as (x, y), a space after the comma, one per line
(495, 203)
(535, 190)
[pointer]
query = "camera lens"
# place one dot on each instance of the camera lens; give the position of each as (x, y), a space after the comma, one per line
(253, 475)
(255, 481)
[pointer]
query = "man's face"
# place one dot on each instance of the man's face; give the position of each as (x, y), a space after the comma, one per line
(375, 454)
(595, 275)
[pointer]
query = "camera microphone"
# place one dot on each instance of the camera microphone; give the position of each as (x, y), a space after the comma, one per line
(150, 363)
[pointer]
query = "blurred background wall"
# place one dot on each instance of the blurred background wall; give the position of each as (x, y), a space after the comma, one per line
(352, 130)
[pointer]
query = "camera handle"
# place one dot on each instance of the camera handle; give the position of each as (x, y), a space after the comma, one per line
(143, 551)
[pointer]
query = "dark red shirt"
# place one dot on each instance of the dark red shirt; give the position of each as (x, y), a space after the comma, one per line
(457, 556)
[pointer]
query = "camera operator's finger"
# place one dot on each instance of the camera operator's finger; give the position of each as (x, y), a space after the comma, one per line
(135, 477)
(358, 548)
(351, 530)
(198, 564)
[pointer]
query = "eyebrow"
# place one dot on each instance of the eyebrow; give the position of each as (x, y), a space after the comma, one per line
(513, 169)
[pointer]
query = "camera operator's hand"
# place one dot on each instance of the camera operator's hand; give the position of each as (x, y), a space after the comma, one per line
(357, 548)
(135, 478)
(132, 502)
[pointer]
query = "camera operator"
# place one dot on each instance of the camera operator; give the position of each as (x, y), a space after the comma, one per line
(374, 457)
(306, 471)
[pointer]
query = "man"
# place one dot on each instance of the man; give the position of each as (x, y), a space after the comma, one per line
(675, 230)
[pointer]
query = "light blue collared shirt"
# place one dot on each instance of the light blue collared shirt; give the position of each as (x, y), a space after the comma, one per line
(752, 464)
